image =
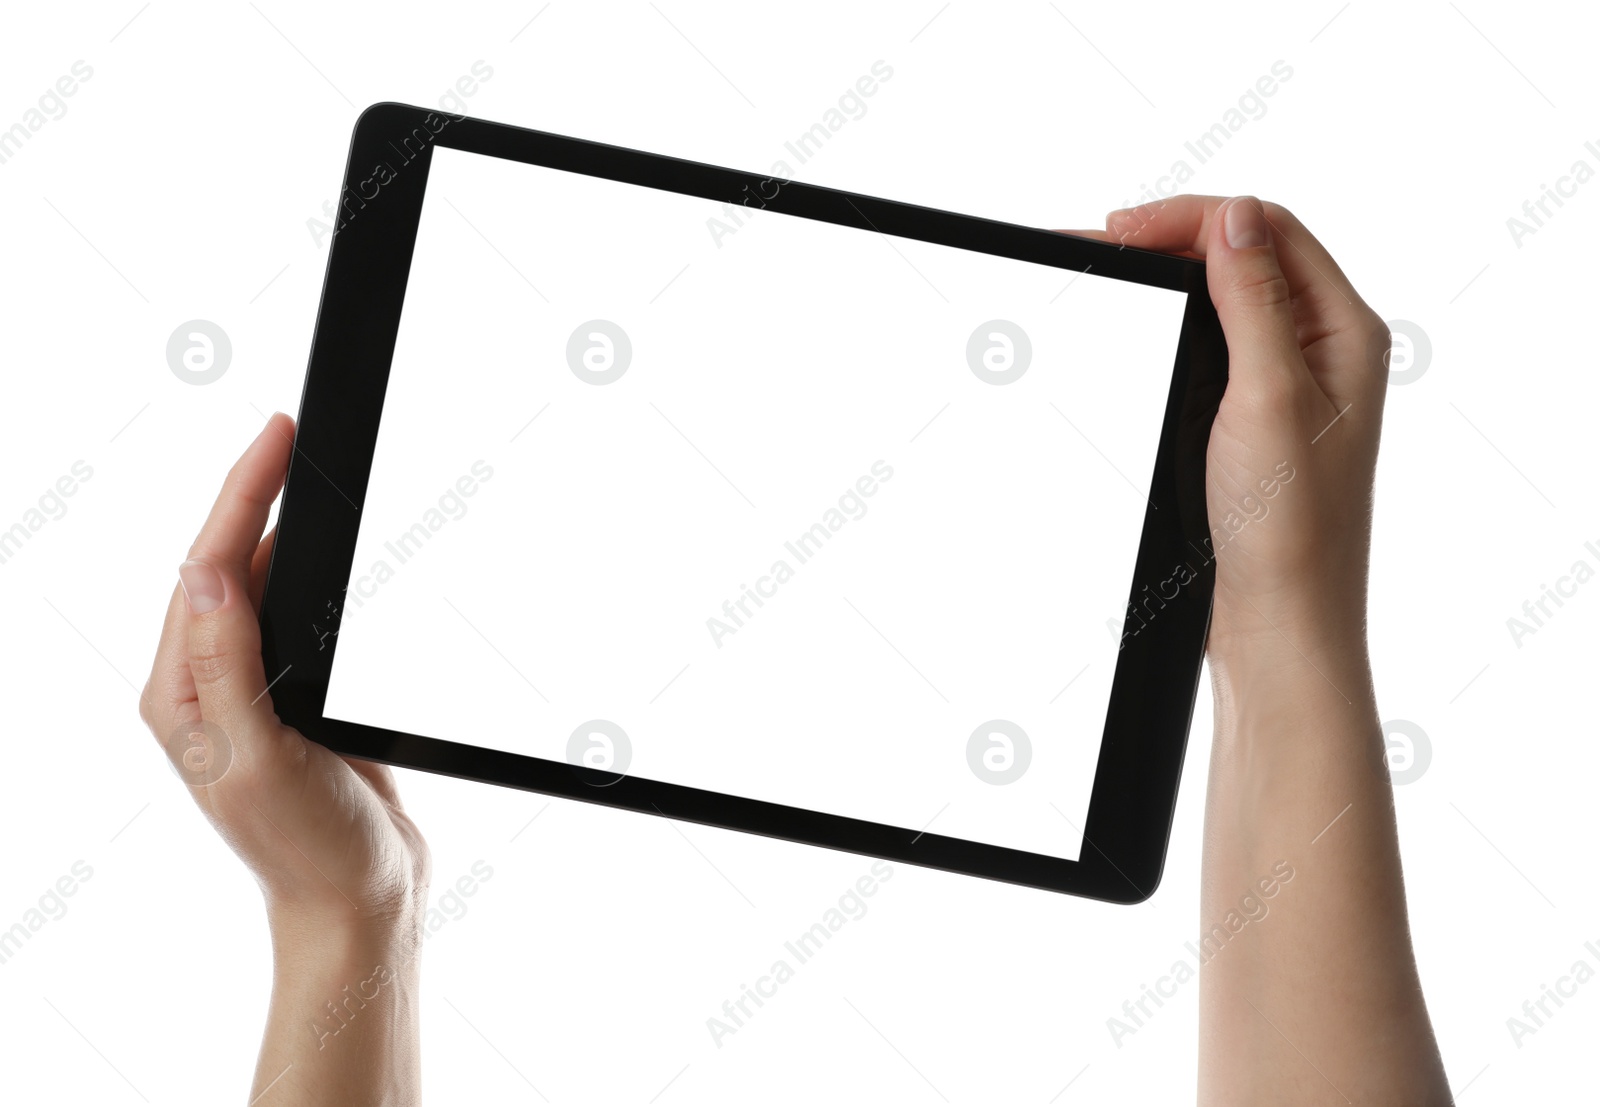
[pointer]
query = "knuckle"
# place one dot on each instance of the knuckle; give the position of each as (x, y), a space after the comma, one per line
(210, 663)
(1372, 330)
(1375, 327)
(1260, 289)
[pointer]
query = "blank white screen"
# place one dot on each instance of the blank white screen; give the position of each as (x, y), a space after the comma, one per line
(775, 361)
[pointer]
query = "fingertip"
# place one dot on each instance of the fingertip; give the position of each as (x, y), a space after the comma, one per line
(1143, 225)
(1124, 223)
(276, 433)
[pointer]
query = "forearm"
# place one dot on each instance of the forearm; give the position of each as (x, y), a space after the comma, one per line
(1317, 989)
(343, 1023)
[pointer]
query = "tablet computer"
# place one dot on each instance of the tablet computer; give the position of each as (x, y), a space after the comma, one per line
(718, 496)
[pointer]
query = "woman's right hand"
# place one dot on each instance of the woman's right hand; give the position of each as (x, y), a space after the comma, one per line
(1289, 468)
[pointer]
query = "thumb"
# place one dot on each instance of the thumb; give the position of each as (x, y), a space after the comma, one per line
(225, 662)
(1252, 297)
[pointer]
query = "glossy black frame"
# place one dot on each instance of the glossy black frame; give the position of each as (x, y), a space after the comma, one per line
(1158, 671)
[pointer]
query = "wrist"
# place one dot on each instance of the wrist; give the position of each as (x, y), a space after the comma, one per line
(1258, 627)
(344, 1021)
(1288, 674)
(326, 941)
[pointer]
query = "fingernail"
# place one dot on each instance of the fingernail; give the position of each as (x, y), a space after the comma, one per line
(1244, 224)
(202, 586)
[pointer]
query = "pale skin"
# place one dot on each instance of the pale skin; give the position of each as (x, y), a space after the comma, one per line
(343, 870)
(1318, 1001)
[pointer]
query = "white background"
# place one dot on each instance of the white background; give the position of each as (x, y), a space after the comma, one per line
(766, 377)
(178, 185)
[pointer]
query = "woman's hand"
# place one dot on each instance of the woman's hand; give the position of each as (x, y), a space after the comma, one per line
(1317, 998)
(1290, 465)
(343, 869)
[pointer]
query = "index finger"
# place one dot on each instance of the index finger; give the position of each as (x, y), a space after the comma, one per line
(233, 528)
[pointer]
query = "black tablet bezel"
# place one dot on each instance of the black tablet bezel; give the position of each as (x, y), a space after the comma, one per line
(1158, 671)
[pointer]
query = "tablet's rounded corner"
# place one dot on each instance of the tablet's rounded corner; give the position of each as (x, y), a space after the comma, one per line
(1126, 895)
(1128, 888)
(384, 111)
